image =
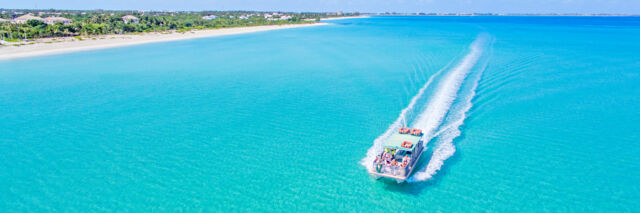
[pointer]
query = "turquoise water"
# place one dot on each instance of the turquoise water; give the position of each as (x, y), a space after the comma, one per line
(524, 114)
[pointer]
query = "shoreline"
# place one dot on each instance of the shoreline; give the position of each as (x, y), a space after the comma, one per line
(344, 17)
(51, 46)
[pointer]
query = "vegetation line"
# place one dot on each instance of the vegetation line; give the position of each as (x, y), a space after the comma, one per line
(25, 25)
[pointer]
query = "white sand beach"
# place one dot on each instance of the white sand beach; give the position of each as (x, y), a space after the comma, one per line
(64, 45)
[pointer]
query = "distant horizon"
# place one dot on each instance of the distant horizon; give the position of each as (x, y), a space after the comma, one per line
(351, 12)
(363, 6)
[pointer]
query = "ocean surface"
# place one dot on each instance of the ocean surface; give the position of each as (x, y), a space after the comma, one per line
(521, 114)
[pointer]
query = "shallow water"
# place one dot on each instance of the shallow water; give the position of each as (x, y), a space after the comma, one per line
(546, 119)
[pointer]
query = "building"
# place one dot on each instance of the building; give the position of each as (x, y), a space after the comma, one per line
(285, 17)
(3, 20)
(24, 18)
(209, 17)
(54, 20)
(130, 19)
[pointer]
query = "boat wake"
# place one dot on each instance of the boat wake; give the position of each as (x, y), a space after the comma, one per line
(399, 122)
(452, 91)
(438, 109)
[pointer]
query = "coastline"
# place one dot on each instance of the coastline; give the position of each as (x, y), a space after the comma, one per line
(65, 45)
(344, 17)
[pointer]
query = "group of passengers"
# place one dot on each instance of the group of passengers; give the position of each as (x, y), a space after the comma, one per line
(388, 158)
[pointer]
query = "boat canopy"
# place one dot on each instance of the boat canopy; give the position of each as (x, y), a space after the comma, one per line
(396, 140)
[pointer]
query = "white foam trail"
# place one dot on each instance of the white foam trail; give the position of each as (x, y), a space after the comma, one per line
(457, 115)
(400, 121)
(431, 118)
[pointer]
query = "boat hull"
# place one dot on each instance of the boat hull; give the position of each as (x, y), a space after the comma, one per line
(399, 178)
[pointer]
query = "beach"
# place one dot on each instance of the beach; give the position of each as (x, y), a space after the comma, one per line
(50, 46)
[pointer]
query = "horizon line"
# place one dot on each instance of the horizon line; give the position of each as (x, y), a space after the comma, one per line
(353, 12)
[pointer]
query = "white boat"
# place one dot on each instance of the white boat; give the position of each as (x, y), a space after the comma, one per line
(399, 156)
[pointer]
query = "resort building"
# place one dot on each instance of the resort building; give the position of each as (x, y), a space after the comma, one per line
(209, 17)
(54, 20)
(3, 20)
(23, 19)
(48, 13)
(285, 17)
(130, 19)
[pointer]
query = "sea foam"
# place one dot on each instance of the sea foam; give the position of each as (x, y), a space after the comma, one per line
(400, 121)
(441, 106)
(437, 107)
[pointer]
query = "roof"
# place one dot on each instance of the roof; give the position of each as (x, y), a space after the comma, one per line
(57, 19)
(210, 17)
(129, 17)
(3, 20)
(28, 17)
(395, 141)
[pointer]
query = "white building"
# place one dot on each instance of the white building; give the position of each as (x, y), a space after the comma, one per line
(285, 17)
(54, 20)
(23, 19)
(130, 19)
(209, 17)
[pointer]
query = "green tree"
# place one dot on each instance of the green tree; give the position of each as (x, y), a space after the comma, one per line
(34, 23)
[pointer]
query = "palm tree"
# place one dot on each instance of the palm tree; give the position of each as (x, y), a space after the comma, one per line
(4, 31)
(10, 31)
(56, 30)
(24, 32)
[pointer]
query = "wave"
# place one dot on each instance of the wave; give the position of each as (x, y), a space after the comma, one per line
(441, 106)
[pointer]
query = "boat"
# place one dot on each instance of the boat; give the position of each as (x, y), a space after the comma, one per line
(399, 155)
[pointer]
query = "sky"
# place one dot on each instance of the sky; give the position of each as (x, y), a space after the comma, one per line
(427, 6)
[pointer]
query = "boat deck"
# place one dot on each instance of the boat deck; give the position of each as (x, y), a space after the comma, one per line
(399, 178)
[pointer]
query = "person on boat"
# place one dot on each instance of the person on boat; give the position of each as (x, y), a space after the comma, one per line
(406, 159)
(379, 163)
(379, 167)
(394, 163)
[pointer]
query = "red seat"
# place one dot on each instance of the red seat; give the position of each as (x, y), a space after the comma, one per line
(403, 130)
(416, 132)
